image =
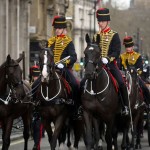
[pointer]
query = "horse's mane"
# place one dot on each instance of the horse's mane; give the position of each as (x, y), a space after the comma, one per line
(3, 65)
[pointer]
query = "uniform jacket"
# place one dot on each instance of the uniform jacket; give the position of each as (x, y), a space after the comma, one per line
(110, 44)
(63, 47)
(134, 59)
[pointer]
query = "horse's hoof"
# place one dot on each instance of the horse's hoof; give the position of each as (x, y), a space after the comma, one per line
(138, 146)
(35, 148)
(100, 147)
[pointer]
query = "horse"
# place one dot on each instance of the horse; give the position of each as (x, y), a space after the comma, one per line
(137, 106)
(14, 100)
(99, 97)
(122, 123)
(52, 93)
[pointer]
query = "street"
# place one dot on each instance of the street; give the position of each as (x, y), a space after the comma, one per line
(18, 144)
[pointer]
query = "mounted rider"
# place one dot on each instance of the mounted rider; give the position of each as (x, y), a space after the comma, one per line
(62, 46)
(110, 50)
(134, 58)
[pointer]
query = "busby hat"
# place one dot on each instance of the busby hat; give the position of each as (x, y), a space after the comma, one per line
(128, 41)
(59, 22)
(35, 71)
(102, 14)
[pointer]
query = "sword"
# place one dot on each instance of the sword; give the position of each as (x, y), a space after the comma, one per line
(62, 60)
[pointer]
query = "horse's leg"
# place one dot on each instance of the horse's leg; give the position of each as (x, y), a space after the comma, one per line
(124, 139)
(58, 126)
(26, 132)
(7, 133)
(47, 126)
(96, 132)
(78, 131)
(88, 130)
(68, 136)
(139, 132)
(114, 136)
(108, 136)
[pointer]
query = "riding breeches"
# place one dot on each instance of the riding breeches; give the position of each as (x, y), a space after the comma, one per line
(68, 75)
(122, 86)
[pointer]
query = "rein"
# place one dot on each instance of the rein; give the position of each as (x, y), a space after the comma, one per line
(6, 101)
(91, 92)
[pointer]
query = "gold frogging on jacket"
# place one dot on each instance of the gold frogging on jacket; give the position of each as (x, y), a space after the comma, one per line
(105, 43)
(60, 45)
(130, 57)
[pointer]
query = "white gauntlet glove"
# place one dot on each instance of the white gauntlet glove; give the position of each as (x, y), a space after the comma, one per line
(60, 66)
(104, 60)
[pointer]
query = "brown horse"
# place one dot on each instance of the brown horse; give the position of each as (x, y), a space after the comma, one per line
(52, 94)
(13, 100)
(99, 98)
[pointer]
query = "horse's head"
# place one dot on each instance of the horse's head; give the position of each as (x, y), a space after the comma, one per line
(92, 58)
(14, 75)
(13, 71)
(46, 60)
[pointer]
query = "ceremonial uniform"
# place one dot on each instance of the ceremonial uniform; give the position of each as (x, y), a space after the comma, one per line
(62, 47)
(134, 59)
(110, 50)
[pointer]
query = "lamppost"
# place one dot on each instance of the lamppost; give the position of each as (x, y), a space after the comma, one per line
(95, 2)
(81, 71)
(90, 16)
(50, 12)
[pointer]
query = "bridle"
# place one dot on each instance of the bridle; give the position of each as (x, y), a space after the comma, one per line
(49, 75)
(47, 66)
(13, 85)
(96, 73)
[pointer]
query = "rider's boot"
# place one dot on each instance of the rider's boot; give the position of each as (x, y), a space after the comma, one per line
(124, 95)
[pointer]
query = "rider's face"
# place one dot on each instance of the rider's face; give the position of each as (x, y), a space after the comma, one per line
(59, 31)
(103, 24)
(129, 49)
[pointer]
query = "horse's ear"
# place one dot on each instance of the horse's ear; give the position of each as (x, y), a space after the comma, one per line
(87, 39)
(21, 57)
(8, 59)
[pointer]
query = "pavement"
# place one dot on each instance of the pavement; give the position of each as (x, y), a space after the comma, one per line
(14, 136)
(17, 131)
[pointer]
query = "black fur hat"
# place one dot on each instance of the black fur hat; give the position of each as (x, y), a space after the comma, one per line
(128, 41)
(102, 14)
(59, 22)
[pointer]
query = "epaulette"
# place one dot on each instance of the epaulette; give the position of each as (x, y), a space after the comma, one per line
(51, 41)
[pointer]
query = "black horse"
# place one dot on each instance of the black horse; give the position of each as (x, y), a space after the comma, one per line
(14, 102)
(137, 106)
(99, 97)
(122, 124)
(52, 94)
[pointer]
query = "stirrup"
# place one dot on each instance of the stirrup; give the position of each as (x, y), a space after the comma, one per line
(125, 112)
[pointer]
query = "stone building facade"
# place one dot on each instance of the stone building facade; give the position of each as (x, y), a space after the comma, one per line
(14, 36)
(25, 21)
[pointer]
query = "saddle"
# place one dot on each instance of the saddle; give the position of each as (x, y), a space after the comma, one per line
(67, 86)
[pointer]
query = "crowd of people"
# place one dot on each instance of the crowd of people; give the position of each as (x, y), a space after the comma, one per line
(110, 44)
